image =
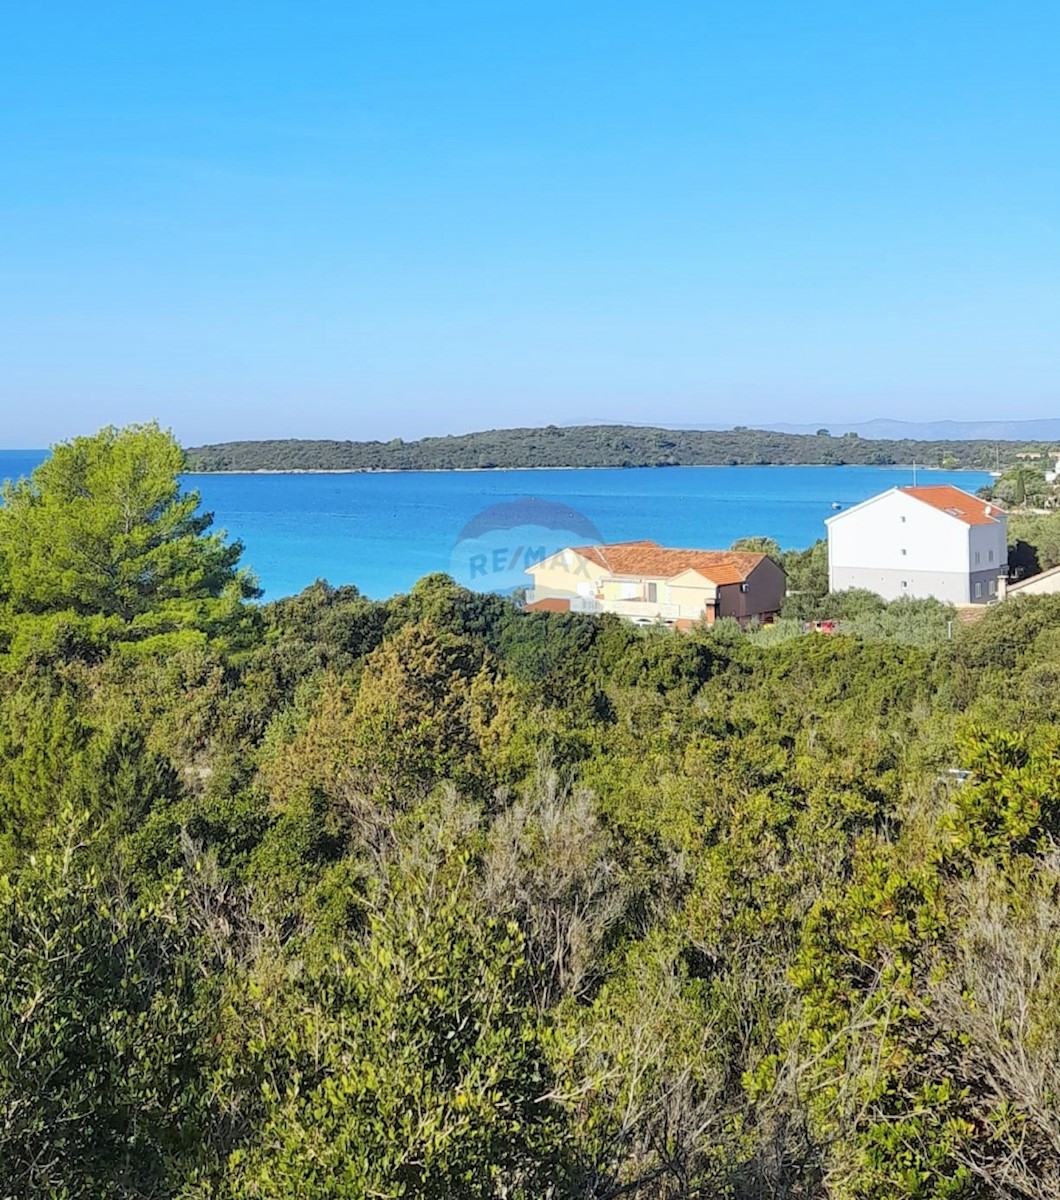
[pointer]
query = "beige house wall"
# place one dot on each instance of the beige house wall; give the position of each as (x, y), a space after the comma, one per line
(694, 593)
(1046, 584)
(565, 574)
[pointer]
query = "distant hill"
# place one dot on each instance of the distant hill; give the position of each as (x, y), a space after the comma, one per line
(595, 446)
(884, 429)
(1045, 430)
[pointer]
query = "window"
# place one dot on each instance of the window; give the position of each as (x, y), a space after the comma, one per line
(991, 588)
(905, 583)
(991, 556)
(903, 520)
(903, 553)
(977, 558)
(743, 587)
(978, 591)
(653, 593)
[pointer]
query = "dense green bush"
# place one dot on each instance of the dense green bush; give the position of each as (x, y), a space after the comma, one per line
(438, 898)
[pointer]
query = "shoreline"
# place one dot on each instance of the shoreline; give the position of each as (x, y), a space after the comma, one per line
(645, 467)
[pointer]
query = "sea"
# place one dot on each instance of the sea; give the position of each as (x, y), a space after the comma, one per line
(383, 531)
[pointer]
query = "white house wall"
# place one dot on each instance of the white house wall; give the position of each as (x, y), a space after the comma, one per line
(897, 546)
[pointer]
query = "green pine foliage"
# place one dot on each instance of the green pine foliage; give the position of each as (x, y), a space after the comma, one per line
(99, 544)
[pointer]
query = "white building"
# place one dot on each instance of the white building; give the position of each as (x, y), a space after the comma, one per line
(920, 541)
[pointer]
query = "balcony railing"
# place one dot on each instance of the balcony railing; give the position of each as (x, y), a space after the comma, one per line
(632, 609)
(642, 608)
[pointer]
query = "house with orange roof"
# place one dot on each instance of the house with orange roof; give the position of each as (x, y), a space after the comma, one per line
(934, 541)
(648, 583)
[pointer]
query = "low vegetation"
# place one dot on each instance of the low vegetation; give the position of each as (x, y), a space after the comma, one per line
(438, 898)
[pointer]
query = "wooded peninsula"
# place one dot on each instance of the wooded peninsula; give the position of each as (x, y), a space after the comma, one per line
(601, 446)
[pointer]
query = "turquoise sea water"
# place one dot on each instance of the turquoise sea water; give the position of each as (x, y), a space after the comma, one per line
(382, 532)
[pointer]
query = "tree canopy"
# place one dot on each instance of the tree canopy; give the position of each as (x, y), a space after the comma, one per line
(101, 538)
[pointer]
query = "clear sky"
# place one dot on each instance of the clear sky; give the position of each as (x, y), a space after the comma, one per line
(389, 219)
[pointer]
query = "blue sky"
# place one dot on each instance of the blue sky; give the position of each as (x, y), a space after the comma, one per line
(392, 219)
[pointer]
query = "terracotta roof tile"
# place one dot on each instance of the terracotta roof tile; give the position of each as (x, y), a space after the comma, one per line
(553, 604)
(962, 505)
(596, 553)
(650, 560)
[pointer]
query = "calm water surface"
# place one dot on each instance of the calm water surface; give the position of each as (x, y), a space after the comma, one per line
(383, 532)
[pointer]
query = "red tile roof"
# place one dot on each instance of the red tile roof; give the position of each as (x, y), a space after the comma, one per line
(650, 560)
(553, 604)
(962, 505)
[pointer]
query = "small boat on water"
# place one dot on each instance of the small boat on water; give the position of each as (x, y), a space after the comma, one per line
(836, 505)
